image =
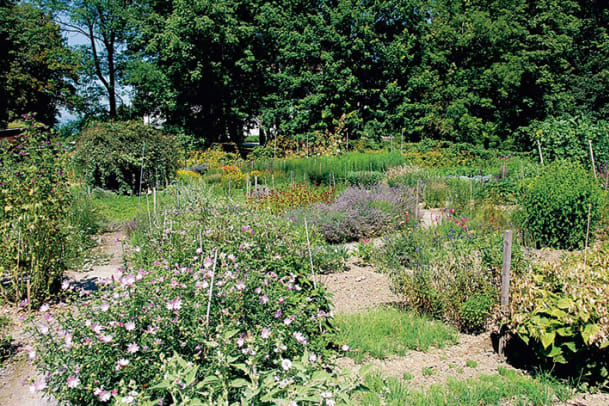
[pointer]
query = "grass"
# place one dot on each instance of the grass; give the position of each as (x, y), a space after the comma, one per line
(485, 390)
(388, 331)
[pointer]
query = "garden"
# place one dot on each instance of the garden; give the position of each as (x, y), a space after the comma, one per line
(304, 203)
(367, 278)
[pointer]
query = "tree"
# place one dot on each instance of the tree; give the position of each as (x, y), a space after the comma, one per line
(107, 25)
(37, 70)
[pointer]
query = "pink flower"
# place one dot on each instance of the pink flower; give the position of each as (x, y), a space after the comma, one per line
(44, 329)
(104, 307)
(240, 285)
(199, 251)
(207, 263)
(104, 396)
(121, 363)
(300, 338)
(105, 338)
(240, 342)
(44, 308)
(38, 386)
(264, 299)
(174, 305)
(73, 382)
(286, 364)
(129, 326)
(265, 333)
(133, 348)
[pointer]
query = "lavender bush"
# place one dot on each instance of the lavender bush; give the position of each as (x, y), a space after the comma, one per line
(359, 213)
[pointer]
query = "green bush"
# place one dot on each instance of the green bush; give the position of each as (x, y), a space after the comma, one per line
(34, 204)
(555, 205)
(110, 156)
(364, 178)
(567, 138)
(475, 312)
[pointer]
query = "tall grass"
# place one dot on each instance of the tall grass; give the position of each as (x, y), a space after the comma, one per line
(388, 331)
(326, 169)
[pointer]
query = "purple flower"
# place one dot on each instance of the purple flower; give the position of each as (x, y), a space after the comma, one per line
(104, 396)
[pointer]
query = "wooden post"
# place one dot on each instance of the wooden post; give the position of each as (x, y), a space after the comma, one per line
(505, 284)
(154, 201)
(255, 182)
(247, 187)
(505, 273)
(416, 207)
(273, 180)
(587, 236)
(592, 157)
(310, 255)
(292, 177)
(539, 149)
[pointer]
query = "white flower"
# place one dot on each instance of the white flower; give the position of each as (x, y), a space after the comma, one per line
(286, 364)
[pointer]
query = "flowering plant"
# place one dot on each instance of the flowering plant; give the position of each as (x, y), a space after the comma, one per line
(236, 301)
(34, 200)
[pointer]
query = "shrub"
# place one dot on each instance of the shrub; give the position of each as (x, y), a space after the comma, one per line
(358, 213)
(555, 205)
(233, 175)
(439, 270)
(567, 137)
(475, 312)
(364, 178)
(110, 156)
(34, 202)
(560, 312)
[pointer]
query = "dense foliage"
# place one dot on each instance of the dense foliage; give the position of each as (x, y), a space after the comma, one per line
(556, 204)
(469, 72)
(109, 155)
(36, 67)
(561, 313)
(34, 202)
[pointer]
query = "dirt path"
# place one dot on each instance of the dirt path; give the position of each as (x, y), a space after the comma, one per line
(358, 288)
(17, 371)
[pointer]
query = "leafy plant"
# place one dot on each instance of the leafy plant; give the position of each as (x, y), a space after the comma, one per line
(560, 312)
(110, 156)
(555, 205)
(475, 312)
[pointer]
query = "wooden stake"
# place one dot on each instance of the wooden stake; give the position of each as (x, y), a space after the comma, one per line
(247, 187)
(505, 272)
(154, 201)
(587, 236)
(592, 157)
(539, 149)
(211, 286)
(310, 256)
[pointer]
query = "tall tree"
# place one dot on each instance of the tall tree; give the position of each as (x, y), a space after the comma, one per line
(105, 26)
(37, 70)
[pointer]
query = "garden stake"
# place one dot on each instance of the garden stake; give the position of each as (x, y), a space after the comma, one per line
(229, 186)
(273, 180)
(505, 283)
(247, 187)
(29, 299)
(139, 197)
(310, 256)
(540, 154)
(148, 209)
(211, 285)
(154, 201)
(592, 157)
(587, 236)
